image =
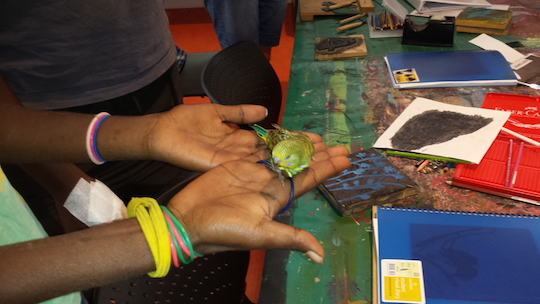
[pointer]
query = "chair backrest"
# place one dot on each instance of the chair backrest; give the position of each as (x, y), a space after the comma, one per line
(190, 76)
(214, 279)
(241, 74)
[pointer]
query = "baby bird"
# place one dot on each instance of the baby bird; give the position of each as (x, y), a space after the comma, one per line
(291, 150)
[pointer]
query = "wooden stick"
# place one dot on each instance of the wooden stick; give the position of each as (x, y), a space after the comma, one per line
(521, 136)
(340, 5)
(349, 26)
(347, 20)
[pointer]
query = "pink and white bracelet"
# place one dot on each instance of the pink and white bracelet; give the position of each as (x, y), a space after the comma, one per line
(91, 138)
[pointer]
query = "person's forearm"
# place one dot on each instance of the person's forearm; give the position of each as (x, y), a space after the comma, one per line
(28, 136)
(126, 138)
(38, 270)
(59, 179)
(31, 136)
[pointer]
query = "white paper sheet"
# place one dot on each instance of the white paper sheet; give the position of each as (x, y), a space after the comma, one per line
(455, 12)
(469, 147)
(489, 43)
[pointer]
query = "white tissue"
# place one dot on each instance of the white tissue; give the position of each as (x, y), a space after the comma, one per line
(93, 203)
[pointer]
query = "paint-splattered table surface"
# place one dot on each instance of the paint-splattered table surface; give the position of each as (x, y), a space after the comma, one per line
(351, 102)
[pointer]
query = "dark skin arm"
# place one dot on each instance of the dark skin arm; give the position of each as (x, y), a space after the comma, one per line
(195, 137)
(237, 216)
(184, 137)
(59, 179)
(253, 197)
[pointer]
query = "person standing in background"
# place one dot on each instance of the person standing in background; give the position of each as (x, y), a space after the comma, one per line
(246, 20)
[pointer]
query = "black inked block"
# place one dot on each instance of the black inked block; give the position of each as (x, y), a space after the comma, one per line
(370, 180)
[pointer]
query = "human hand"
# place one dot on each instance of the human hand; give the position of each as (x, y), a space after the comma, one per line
(232, 206)
(199, 137)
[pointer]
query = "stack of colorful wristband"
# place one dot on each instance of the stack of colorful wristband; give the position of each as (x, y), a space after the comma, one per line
(166, 237)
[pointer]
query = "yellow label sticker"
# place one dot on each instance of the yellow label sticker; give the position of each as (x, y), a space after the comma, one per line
(405, 75)
(402, 281)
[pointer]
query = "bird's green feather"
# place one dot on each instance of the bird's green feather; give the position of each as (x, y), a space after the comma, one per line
(291, 150)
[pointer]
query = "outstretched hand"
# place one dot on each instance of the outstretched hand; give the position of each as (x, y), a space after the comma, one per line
(232, 206)
(199, 137)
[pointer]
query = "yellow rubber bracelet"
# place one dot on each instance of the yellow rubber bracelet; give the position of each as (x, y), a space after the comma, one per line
(154, 227)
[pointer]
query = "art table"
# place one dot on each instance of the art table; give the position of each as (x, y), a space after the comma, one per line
(351, 102)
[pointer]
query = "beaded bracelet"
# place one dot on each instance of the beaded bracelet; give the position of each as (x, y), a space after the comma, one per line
(154, 228)
(91, 138)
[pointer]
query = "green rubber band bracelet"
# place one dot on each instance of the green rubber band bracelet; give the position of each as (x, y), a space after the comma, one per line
(178, 250)
(183, 232)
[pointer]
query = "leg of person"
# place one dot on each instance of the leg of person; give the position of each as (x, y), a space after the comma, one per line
(234, 20)
(271, 16)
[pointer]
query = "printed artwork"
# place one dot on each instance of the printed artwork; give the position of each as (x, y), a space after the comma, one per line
(435, 128)
(443, 126)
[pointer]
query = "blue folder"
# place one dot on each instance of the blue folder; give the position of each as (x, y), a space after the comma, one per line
(449, 69)
(473, 258)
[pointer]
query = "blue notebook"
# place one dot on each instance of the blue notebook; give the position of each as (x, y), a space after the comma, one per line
(441, 257)
(449, 69)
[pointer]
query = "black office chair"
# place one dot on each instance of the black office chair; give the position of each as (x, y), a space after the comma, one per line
(239, 74)
(205, 280)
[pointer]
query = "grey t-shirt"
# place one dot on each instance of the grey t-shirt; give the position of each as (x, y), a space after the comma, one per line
(64, 53)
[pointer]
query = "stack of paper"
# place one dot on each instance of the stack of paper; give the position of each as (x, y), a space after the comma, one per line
(449, 69)
(428, 6)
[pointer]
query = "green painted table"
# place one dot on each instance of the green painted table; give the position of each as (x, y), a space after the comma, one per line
(351, 102)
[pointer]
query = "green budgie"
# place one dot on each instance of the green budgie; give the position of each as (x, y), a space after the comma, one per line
(291, 150)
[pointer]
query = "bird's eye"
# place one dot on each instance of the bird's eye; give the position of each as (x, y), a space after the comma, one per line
(288, 156)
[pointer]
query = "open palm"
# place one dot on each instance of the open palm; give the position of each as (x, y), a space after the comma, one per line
(232, 206)
(199, 137)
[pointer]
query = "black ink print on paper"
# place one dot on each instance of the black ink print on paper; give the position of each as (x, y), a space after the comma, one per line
(435, 127)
